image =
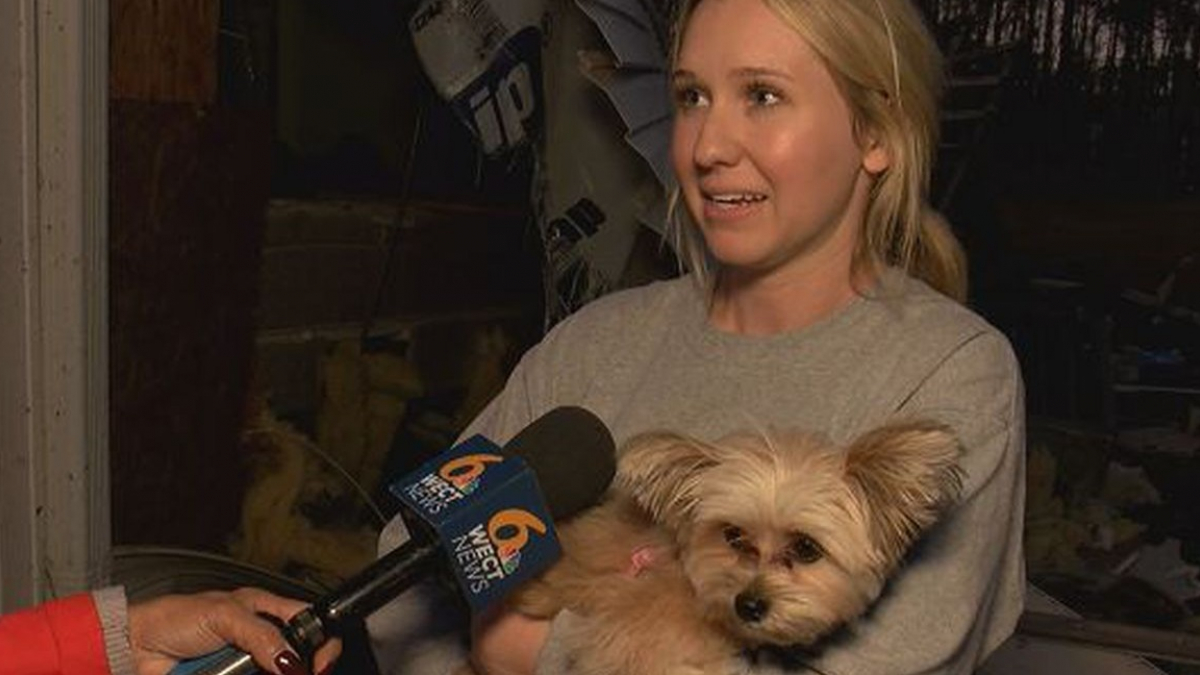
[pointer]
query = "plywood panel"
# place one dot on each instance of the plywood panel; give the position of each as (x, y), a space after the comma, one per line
(163, 50)
(189, 189)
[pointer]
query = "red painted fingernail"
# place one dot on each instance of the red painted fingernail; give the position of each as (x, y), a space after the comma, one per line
(289, 664)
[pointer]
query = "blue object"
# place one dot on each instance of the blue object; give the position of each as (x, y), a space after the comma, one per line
(489, 515)
(227, 661)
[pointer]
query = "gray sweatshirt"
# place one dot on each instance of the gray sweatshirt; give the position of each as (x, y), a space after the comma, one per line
(647, 359)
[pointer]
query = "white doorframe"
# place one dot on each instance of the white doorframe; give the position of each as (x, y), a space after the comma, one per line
(55, 532)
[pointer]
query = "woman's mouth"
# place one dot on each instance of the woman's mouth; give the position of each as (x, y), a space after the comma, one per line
(730, 203)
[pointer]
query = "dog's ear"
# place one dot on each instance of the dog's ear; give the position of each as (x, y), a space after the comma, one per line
(659, 471)
(906, 474)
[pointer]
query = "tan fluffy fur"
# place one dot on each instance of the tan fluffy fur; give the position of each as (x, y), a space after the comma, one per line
(863, 506)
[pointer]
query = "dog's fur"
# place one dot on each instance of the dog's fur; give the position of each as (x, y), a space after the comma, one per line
(758, 539)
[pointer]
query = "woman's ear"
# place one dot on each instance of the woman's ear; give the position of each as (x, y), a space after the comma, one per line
(876, 158)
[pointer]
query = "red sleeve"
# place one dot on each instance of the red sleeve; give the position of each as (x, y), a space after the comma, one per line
(62, 637)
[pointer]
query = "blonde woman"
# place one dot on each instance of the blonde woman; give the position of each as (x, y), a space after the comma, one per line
(821, 293)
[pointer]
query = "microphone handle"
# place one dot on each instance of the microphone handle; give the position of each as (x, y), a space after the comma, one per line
(362, 594)
(377, 584)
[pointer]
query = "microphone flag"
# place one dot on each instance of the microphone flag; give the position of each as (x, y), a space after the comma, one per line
(488, 513)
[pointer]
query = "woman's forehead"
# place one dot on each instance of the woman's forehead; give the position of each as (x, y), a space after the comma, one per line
(736, 38)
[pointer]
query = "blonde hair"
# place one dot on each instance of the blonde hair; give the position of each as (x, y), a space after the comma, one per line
(889, 70)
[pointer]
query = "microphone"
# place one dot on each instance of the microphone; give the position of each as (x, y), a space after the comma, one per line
(482, 511)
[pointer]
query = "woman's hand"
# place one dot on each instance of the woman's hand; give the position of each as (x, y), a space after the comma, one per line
(507, 643)
(171, 628)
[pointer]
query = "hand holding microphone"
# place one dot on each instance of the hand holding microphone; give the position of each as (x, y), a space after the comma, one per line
(168, 627)
(478, 514)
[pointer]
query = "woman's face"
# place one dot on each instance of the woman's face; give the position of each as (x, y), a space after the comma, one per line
(764, 146)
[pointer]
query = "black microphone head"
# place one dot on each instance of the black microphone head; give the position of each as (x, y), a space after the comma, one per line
(573, 455)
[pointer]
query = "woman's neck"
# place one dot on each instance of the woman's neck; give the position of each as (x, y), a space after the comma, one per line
(769, 304)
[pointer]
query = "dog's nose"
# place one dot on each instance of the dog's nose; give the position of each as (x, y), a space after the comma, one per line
(750, 607)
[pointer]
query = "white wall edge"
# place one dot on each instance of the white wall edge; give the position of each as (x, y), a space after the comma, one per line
(55, 532)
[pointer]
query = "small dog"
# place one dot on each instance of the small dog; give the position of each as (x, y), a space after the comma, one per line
(705, 550)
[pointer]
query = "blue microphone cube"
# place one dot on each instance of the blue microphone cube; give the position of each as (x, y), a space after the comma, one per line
(488, 514)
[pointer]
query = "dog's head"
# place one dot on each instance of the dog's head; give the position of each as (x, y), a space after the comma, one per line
(785, 536)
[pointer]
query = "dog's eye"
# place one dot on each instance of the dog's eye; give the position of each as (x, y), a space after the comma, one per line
(736, 538)
(805, 550)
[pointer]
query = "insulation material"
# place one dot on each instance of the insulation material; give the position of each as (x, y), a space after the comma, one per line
(486, 374)
(365, 395)
(364, 399)
(1057, 529)
(275, 534)
(1052, 540)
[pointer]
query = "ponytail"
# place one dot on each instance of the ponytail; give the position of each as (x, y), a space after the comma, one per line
(939, 259)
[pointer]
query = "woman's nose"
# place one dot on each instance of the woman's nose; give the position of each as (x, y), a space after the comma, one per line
(716, 140)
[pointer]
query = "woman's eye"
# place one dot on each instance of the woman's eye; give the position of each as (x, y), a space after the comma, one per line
(764, 96)
(688, 97)
(805, 550)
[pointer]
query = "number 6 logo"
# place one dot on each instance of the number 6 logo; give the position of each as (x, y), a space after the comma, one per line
(509, 530)
(463, 470)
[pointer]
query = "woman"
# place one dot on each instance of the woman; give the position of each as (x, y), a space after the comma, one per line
(96, 634)
(823, 294)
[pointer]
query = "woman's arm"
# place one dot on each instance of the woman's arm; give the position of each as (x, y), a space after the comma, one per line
(60, 636)
(504, 642)
(91, 634)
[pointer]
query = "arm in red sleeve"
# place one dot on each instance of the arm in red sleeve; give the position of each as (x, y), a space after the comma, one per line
(61, 637)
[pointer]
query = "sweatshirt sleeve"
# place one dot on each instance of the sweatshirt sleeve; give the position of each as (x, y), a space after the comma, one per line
(963, 588)
(113, 610)
(60, 637)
